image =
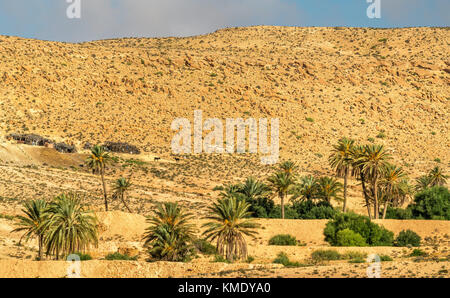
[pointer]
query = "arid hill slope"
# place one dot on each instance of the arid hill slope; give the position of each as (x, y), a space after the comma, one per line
(360, 83)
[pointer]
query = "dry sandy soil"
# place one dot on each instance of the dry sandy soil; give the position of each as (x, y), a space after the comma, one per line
(123, 231)
(385, 86)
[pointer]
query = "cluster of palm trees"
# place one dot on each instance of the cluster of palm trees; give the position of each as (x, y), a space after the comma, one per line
(285, 182)
(98, 161)
(62, 227)
(383, 184)
(170, 234)
(434, 178)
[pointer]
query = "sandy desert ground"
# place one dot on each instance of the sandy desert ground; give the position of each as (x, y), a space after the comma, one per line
(388, 86)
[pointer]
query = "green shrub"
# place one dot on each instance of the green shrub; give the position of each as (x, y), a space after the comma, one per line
(373, 234)
(351, 255)
(325, 255)
(204, 247)
(348, 237)
(261, 207)
(283, 259)
(289, 212)
(283, 239)
(385, 258)
(432, 203)
(398, 213)
(83, 256)
(406, 238)
(418, 253)
(357, 261)
(250, 259)
(310, 210)
(120, 257)
(221, 259)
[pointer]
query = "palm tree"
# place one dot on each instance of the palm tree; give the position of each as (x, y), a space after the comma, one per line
(31, 223)
(68, 228)
(437, 177)
(281, 183)
(170, 234)
(253, 190)
(341, 161)
(121, 186)
(229, 223)
(422, 183)
(97, 161)
(306, 189)
(392, 185)
(329, 188)
(373, 161)
(289, 167)
(357, 171)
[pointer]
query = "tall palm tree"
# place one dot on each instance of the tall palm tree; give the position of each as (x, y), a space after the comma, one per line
(281, 183)
(373, 161)
(97, 161)
(437, 177)
(68, 228)
(341, 161)
(422, 183)
(305, 189)
(392, 185)
(31, 223)
(120, 187)
(357, 171)
(329, 188)
(170, 233)
(228, 226)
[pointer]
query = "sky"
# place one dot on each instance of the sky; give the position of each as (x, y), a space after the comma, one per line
(102, 19)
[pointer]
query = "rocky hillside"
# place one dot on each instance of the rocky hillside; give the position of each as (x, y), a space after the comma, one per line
(389, 86)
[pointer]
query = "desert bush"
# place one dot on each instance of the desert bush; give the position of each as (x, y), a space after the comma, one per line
(385, 258)
(373, 234)
(221, 259)
(205, 247)
(418, 253)
(289, 212)
(353, 255)
(119, 257)
(398, 213)
(282, 258)
(325, 255)
(348, 237)
(283, 239)
(432, 203)
(83, 256)
(310, 210)
(406, 238)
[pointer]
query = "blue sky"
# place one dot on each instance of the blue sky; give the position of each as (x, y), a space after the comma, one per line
(100, 19)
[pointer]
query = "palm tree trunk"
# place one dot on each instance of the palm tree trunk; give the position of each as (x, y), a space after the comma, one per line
(345, 190)
(366, 197)
(385, 208)
(282, 206)
(124, 202)
(104, 188)
(375, 199)
(40, 247)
